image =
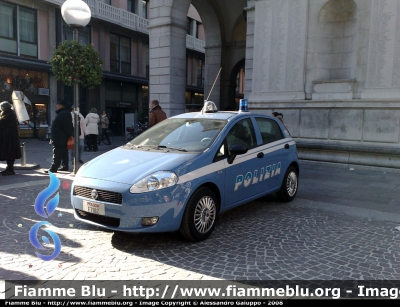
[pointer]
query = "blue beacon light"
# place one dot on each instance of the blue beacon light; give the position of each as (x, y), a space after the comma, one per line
(243, 105)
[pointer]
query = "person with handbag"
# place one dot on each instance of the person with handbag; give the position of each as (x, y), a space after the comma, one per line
(61, 130)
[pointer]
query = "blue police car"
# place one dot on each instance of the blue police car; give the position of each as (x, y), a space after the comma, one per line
(184, 171)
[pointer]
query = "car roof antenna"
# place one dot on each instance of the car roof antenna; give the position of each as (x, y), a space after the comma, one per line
(209, 106)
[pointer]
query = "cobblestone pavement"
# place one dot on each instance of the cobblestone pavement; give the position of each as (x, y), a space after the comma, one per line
(342, 225)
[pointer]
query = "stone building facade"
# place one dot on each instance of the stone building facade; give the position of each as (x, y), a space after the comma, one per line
(330, 66)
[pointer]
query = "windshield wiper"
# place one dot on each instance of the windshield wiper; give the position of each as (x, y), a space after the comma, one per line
(172, 148)
(143, 146)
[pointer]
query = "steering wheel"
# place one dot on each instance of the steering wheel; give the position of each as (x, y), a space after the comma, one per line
(205, 139)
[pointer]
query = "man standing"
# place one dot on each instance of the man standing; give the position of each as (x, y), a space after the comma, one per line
(156, 114)
(61, 130)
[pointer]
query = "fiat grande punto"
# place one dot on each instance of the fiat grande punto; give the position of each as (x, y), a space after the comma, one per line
(183, 172)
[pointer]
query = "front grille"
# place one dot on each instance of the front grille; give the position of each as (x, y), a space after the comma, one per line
(106, 196)
(99, 219)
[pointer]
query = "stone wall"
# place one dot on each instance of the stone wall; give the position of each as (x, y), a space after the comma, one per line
(352, 132)
(342, 102)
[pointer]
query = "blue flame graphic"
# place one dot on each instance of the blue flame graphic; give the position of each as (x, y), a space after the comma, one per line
(35, 242)
(45, 194)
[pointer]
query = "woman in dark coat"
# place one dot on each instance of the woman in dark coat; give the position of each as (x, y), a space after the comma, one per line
(9, 140)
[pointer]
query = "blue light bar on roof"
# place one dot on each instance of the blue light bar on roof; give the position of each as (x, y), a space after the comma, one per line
(243, 105)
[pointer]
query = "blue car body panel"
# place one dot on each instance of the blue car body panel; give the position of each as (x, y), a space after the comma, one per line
(247, 178)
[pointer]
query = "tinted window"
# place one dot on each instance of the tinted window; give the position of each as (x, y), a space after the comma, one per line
(269, 129)
(242, 133)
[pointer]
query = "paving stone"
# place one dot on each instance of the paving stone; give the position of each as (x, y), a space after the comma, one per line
(263, 239)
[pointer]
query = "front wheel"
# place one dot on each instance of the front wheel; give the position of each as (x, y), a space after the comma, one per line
(200, 215)
(289, 186)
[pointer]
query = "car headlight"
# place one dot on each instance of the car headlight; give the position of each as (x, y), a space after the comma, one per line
(157, 181)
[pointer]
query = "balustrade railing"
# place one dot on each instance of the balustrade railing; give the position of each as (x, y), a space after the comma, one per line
(128, 20)
(194, 43)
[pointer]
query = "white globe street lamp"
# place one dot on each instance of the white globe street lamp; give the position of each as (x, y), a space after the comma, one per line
(76, 13)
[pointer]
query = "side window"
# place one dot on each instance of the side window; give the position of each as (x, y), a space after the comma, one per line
(242, 133)
(269, 129)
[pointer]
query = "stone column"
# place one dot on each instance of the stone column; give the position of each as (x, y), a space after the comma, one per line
(212, 67)
(279, 50)
(167, 41)
(383, 68)
(250, 16)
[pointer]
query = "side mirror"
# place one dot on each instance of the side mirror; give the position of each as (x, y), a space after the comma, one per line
(236, 150)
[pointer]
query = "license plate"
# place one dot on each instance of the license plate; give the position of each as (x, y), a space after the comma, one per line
(94, 208)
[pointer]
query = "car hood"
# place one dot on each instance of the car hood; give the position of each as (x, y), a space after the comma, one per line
(129, 165)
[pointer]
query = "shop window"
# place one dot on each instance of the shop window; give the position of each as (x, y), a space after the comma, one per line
(41, 114)
(27, 81)
(21, 41)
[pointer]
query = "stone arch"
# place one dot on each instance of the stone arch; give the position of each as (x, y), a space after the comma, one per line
(239, 30)
(337, 33)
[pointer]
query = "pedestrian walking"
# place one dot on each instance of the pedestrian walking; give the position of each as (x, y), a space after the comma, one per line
(105, 122)
(156, 113)
(10, 148)
(61, 130)
(92, 121)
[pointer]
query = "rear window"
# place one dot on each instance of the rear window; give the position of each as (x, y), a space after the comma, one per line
(269, 129)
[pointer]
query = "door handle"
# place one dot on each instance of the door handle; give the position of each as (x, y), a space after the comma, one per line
(260, 155)
(286, 146)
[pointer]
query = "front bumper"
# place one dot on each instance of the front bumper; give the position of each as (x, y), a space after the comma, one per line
(167, 204)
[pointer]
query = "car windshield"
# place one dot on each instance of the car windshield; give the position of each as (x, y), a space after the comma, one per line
(194, 134)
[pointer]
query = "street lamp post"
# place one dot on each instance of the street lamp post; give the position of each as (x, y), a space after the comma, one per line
(76, 13)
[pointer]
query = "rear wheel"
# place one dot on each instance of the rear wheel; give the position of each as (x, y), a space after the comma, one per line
(289, 185)
(200, 215)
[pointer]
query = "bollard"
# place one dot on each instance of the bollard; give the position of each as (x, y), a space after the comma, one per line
(23, 154)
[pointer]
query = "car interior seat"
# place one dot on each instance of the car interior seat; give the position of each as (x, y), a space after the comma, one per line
(242, 136)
